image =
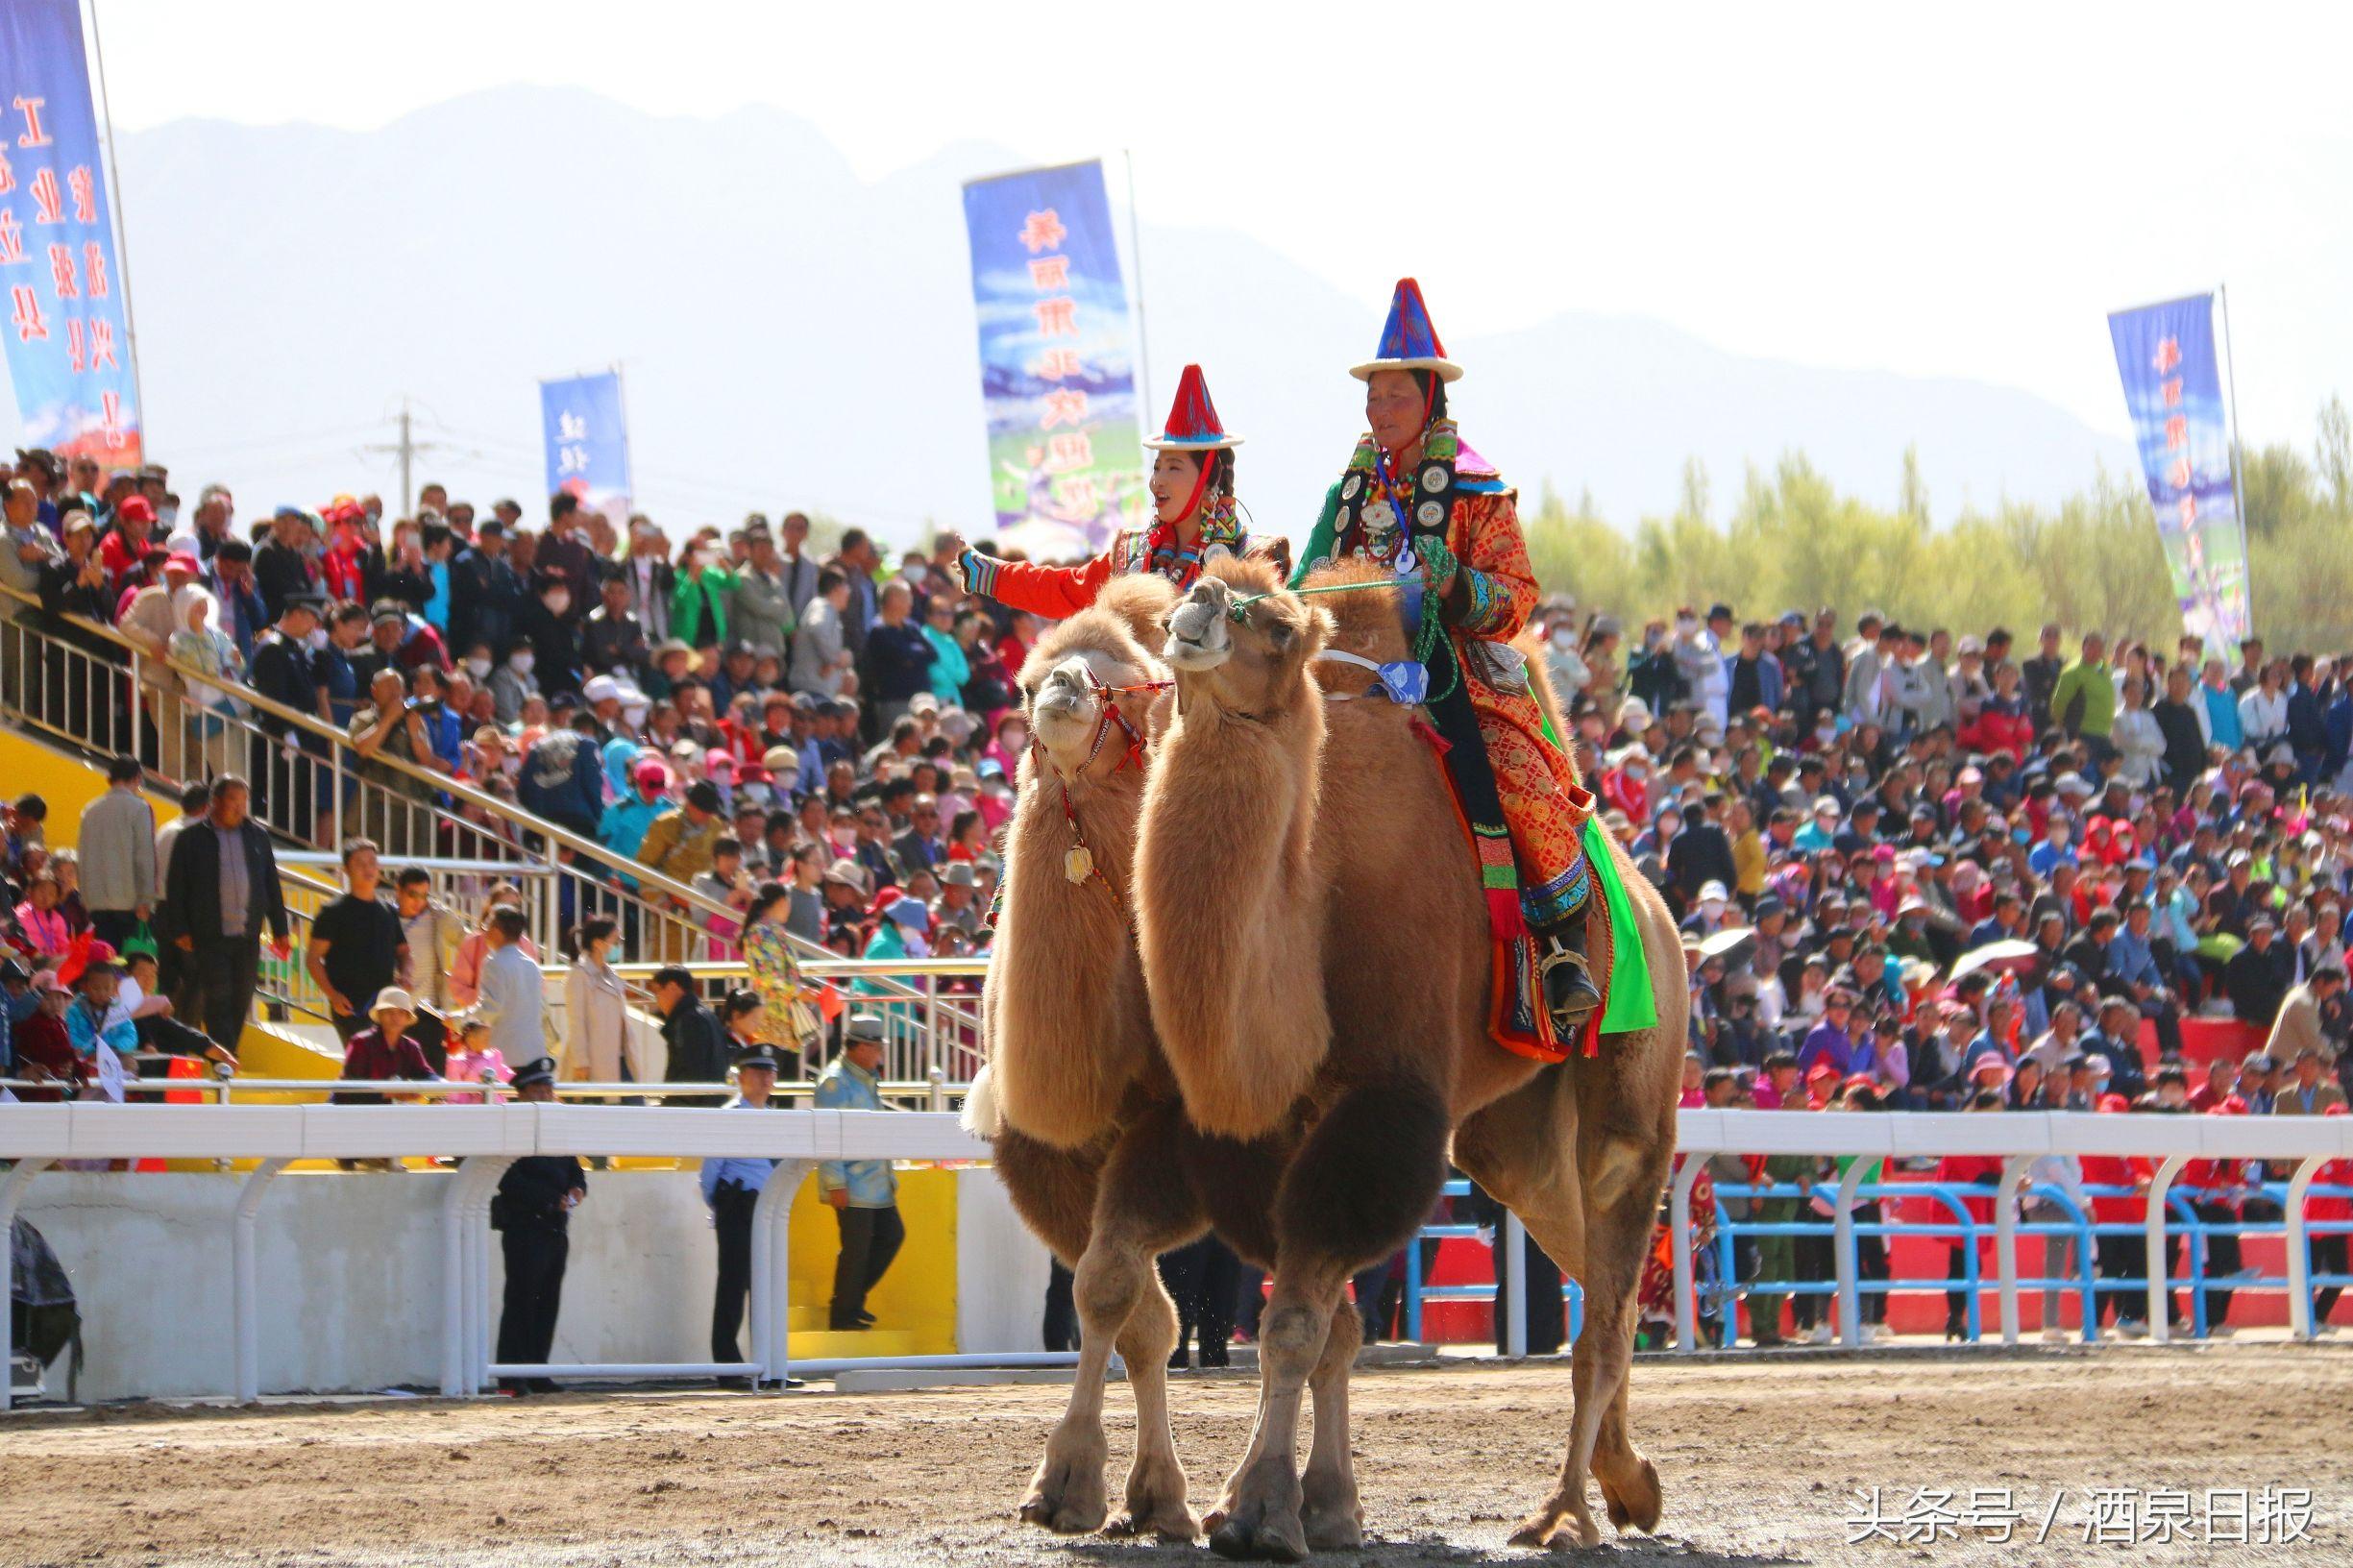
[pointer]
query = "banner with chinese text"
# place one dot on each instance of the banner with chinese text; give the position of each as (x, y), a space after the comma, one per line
(588, 443)
(68, 336)
(1065, 465)
(2173, 388)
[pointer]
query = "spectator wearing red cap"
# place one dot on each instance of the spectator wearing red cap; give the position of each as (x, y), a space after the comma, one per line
(129, 538)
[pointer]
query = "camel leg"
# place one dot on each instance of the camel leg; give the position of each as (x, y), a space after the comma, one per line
(1262, 1518)
(1358, 1189)
(1603, 1240)
(1328, 1509)
(1155, 1502)
(1623, 1178)
(1137, 1214)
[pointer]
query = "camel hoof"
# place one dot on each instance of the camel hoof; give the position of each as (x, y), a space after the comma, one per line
(1554, 1529)
(1156, 1505)
(1262, 1529)
(1335, 1531)
(1067, 1494)
(1170, 1524)
(1636, 1506)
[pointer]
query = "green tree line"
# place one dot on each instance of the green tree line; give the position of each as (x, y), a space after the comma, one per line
(1793, 542)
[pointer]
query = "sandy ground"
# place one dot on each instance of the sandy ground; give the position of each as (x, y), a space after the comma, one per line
(1760, 1461)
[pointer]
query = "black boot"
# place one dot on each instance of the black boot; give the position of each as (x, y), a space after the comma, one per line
(1569, 993)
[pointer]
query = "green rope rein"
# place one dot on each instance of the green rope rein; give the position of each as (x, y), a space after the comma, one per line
(1426, 644)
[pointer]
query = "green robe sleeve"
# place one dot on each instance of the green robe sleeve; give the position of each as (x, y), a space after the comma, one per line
(1320, 537)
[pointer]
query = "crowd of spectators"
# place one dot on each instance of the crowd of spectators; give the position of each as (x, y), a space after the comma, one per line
(728, 710)
(1914, 871)
(1921, 873)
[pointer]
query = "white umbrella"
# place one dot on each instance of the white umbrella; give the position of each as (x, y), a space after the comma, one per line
(1726, 939)
(2010, 954)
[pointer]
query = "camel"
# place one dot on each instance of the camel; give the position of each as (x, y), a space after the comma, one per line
(1075, 1099)
(1316, 952)
(1085, 1118)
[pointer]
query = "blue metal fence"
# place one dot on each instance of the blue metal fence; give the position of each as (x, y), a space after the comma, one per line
(2183, 1222)
(1572, 1293)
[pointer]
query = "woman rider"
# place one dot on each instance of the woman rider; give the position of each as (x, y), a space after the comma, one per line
(1416, 498)
(1193, 505)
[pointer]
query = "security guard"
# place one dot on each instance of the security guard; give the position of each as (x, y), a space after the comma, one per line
(532, 1215)
(732, 1188)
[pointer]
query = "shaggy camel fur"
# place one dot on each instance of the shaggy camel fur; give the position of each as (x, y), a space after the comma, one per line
(1276, 892)
(1073, 1080)
(1104, 1168)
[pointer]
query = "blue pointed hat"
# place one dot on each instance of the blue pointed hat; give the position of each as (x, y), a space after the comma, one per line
(1409, 341)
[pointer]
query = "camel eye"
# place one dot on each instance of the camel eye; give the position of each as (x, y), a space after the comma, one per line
(1280, 633)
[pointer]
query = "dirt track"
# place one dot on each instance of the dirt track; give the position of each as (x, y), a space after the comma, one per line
(1760, 1463)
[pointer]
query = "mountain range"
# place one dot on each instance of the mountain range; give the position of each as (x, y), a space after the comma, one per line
(790, 335)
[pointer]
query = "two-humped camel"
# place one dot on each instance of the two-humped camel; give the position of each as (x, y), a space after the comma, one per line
(1319, 977)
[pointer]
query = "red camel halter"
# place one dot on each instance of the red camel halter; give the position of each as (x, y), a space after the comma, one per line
(1078, 861)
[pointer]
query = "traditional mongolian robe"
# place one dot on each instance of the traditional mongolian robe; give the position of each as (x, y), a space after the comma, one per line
(1059, 592)
(1452, 508)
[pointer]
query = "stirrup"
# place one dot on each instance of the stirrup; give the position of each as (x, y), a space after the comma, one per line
(1570, 997)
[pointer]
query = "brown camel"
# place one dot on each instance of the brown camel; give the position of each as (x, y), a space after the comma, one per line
(1315, 950)
(1088, 1128)
(1076, 1098)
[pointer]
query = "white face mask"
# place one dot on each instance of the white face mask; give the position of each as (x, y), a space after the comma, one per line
(315, 639)
(634, 715)
(521, 663)
(1684, 628)
(479, 669)
(557, 603)
(1564, 638)
(918, 574)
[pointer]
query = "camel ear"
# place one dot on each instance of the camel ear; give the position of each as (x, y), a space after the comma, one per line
(1319, 630)
(1142, 601)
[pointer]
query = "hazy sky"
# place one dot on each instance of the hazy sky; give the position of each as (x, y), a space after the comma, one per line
(1962, 190)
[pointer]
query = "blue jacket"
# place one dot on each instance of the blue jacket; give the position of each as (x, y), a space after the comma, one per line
(2222, 716)
(563, 780)
(624, 826)
(845, 1086)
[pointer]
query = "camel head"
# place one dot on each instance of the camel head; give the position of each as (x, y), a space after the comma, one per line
(1239, 640)
(1076, 667)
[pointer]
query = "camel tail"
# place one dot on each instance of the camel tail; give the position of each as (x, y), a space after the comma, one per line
(983, 1115)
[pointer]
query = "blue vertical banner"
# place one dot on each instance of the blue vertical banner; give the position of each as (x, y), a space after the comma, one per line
(2173, 388)
(1057, 362)
(588, 442)
(67, 332)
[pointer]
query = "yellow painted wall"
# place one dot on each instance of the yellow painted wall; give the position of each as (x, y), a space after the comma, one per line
(67, 782)
(917, 1298)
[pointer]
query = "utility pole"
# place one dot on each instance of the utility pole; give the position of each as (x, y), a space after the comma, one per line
(407, 447)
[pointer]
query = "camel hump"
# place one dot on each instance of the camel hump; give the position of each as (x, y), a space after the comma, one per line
(1368, 621)
(1142, 601)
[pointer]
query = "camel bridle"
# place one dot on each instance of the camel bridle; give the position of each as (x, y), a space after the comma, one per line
(1078, 861)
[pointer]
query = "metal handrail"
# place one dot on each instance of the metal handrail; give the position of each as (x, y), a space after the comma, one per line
(457, 789)
(917, 1010)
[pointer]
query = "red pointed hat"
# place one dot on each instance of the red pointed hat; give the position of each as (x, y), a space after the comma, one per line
(1193, 418)
(1409, 341)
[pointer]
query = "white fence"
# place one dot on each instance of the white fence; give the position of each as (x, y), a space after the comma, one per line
(486, 1140)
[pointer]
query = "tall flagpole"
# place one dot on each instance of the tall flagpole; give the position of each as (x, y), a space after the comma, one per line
(1144, 339)
(122, 227)
(2230, 365)
(620, 399)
